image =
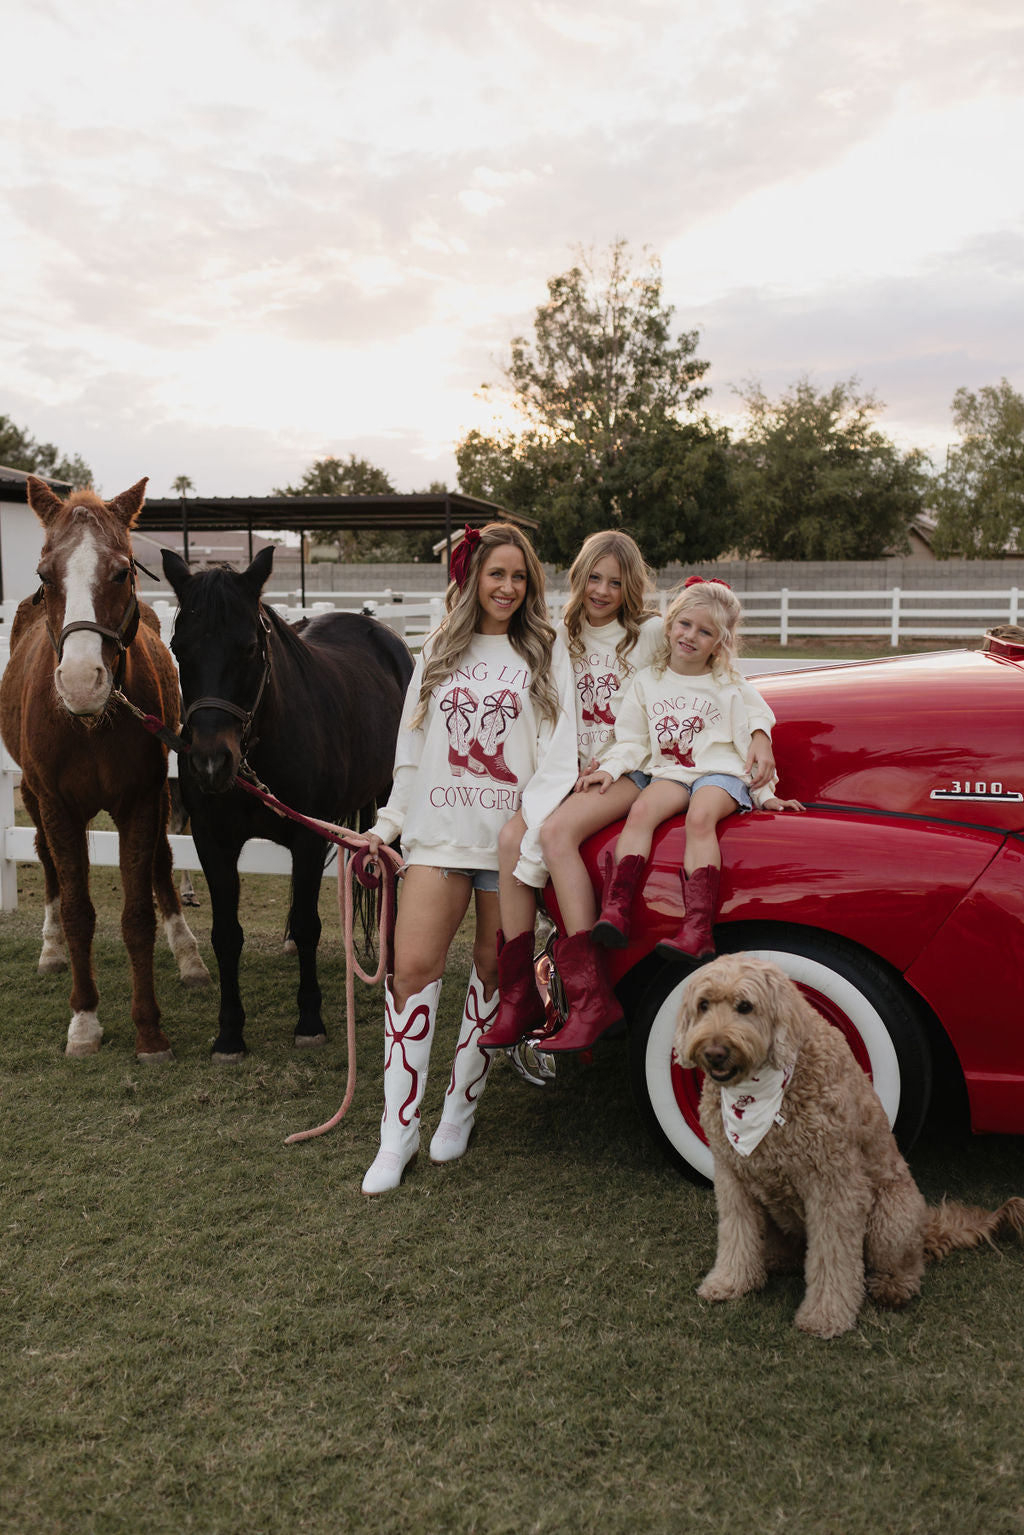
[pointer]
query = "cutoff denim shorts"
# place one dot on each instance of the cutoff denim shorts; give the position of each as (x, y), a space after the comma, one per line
(482, 879)
(731, 784)
(640, 779)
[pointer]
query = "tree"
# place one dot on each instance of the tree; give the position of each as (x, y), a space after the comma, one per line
(818, 481)
(19, 450)
(358, 477)
(182, 485)
(600, 389)
(980, 494)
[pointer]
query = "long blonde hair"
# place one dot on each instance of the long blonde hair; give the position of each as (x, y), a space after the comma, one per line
(529, 632)
(637, 581)
(726, 611)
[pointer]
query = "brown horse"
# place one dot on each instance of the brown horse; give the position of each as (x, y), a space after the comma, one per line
(82, 637)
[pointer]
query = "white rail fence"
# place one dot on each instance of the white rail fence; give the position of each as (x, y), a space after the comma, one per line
(893, 614)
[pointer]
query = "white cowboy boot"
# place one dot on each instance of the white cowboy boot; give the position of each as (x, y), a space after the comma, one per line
(458, 707)
(469, 1075)
(408, 1036)
(486, 752)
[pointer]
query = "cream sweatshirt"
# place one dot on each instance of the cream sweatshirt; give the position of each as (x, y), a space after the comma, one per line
(600, 678)
(679, 727)
(481, 753)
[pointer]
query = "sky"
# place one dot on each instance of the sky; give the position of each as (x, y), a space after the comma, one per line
(238, 237)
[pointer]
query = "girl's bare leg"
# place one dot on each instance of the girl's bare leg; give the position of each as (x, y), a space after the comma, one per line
(655, 804)
(518, 902)
(485, 943)
(576, 819)
(431, 907)
(707, 807)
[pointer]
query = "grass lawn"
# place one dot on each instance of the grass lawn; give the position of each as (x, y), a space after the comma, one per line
(205, 1331)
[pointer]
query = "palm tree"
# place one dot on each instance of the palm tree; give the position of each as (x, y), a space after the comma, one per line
(182, 484)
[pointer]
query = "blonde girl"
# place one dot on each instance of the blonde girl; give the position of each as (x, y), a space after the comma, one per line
(704, 735)
(610, 633)
(486, 731)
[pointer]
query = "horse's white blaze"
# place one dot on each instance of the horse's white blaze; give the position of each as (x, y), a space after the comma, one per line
(82, 679)
(84, 1035)
(186, 951)
(54, 954)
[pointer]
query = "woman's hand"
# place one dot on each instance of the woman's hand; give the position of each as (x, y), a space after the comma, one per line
(760, 763)
(782, 804)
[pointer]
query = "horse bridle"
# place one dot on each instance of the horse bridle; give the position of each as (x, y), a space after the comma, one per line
(247, 716)
(122, 636)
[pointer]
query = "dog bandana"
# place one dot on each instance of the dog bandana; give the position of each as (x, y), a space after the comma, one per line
(751, 1107)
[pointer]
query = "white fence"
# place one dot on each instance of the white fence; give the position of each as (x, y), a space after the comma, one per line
(788, 614)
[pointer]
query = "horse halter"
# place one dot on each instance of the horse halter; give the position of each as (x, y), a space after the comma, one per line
(246, 716)
(122, 636)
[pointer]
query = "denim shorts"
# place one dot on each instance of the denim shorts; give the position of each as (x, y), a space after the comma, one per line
(730, 783)
(481, 879)
(640, 779)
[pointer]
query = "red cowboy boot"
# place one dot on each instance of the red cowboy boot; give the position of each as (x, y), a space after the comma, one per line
(620, 886)
(593, 1006)
(695, 938)
(521, 1010)
(486, 758)
(459, 706)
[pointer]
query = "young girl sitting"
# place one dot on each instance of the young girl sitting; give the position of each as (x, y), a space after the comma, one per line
(610, 633)
(487, 727)
(703, 734)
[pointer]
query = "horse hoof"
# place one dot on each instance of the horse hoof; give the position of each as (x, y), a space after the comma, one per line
(154, 1057)
(196, 978)
(82, 1047)
(289, 946)
(310, 1041)
(53, 964)
(226, 1058)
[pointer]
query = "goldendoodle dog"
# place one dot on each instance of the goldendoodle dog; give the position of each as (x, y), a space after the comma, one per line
(805, 1162)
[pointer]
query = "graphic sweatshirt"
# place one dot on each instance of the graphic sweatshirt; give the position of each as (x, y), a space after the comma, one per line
(679, 727)
(600, 678)
(481, 753)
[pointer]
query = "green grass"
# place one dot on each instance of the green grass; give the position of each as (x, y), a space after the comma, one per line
(205, 1331)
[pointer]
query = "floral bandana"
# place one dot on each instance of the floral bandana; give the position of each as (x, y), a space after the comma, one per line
(751, 1107)
(459, 567)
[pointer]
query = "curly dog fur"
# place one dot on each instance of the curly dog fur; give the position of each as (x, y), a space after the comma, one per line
(829, 1182)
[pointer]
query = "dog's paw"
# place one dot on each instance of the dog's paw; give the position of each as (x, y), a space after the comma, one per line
(893, 1290)
(824, 1324)
(724, 1287)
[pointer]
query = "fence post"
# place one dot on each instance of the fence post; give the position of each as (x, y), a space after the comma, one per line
(1014, 604)
(8, 866)
(894, 631)
(784, 616)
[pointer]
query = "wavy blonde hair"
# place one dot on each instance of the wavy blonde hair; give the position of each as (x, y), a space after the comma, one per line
(726, 611)
(637, 581)
(529, 632)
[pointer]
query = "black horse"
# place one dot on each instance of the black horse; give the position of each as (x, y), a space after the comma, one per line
(314, 714)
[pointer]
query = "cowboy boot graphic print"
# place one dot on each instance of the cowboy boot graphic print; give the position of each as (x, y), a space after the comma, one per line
(585, 688)
(604, 687)
(675, 740)
(486, 753)
(459, 707)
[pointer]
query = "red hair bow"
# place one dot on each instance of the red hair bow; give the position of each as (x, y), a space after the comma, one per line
(459, 566)
(705, 581)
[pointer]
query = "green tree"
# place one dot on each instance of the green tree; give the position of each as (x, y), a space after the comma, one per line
(182, 485)
(600, 389)
(19, 450)
(350, 476)
(818, 481)
(980, 494)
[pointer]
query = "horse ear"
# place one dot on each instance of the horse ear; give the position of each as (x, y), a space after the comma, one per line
(176, 571)
(128, 504)
(42, 500)
(258, 574)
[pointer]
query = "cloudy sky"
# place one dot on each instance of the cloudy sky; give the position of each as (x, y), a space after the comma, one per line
(237, 236)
